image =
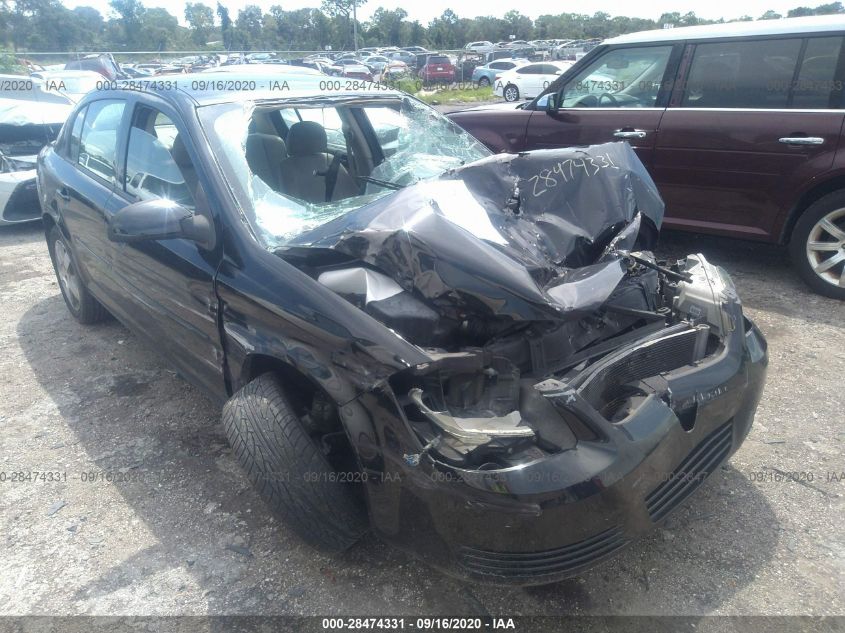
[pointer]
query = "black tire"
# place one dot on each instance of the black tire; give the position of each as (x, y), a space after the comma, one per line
(511, 93)
(828, 280)
(288, 468)
(483, 82)
(82, 306)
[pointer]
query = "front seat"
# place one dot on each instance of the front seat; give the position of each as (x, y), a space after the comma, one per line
(264, 155)
(304, 173)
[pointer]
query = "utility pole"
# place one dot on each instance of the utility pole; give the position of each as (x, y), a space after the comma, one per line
(355, 25)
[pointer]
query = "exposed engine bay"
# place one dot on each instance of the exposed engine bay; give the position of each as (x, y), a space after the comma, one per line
(529, 282)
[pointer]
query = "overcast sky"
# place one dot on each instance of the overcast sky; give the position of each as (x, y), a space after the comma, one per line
(425, 11)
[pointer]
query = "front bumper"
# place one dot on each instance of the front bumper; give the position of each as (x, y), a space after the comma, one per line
(554, 517)
(18, 197)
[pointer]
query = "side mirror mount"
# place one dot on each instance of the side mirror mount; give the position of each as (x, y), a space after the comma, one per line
(550, 104)
(159, 219)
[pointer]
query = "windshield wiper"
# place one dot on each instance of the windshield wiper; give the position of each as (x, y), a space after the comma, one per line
(381, 183)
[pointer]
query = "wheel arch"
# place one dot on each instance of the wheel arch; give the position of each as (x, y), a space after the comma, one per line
(254, 365)
(807, 199)
(299, 385)
(48, 222)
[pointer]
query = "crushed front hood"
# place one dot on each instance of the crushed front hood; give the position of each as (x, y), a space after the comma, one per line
(532, 236)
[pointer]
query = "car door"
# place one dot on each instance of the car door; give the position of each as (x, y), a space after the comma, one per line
(755, 120)
(85, 196)
(169, 284)
(620, 95)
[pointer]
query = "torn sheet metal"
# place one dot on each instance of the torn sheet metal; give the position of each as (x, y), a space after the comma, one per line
(362, 282)
(528, 236)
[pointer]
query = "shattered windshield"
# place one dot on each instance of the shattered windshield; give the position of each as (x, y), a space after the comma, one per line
(299, 164)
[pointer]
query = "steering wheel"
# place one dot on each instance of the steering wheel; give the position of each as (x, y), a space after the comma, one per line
(614, 102)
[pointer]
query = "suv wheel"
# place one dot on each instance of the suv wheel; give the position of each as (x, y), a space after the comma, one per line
(289, 469)
(511, 93)
(817, 245)
(82, 306)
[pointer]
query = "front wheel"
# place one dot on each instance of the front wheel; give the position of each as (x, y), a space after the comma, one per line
(288, 468)
(511, 93)
(817, 246)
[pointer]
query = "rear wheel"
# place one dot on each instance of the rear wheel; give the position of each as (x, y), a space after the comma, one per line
(82, 306)
(817, 246)
(290, 467)
(511, 93)
(483, 82)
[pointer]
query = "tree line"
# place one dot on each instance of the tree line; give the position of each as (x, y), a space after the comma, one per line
(46, 25)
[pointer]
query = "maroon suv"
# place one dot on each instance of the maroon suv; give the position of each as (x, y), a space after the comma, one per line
(438, 68)
(739, 124)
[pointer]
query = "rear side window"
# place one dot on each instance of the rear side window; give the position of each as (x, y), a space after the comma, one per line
(98, 139)
(816, 82)
(748, 74)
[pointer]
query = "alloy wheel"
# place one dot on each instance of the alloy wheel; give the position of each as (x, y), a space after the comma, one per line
(66, 273)
(826, 248)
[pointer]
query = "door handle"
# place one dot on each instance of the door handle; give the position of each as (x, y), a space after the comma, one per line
(629, 133)
(801, 140)
(63, 194)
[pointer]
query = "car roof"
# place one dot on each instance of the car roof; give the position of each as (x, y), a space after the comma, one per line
(200, 89)
(785, 26)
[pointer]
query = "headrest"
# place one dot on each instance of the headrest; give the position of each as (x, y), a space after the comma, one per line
(270, 144)
(306, 138)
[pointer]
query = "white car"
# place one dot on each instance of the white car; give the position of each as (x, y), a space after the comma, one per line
(480, 47)
(527, 80)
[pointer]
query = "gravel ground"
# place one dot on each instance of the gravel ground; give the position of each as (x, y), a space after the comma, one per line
(186, 534)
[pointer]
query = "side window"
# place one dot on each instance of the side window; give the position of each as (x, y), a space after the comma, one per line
(533, 69)
(817, 78)
(75, 132)
(98, 139)
(157, 165)
(621, 78)
(748, 74)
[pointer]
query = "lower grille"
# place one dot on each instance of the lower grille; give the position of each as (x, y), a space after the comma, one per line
(691, 473)
(553, 561)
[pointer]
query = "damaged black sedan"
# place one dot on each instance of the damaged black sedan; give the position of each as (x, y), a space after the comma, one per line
(476, 356)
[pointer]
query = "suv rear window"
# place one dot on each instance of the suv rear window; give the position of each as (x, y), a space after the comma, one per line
(438, 60)
(747, 74)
